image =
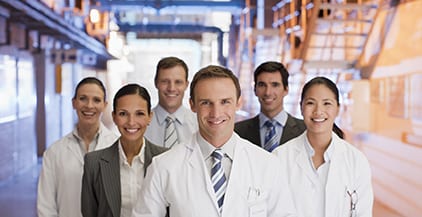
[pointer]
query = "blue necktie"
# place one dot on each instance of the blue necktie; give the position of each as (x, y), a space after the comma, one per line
(270, 138)
(218, 178)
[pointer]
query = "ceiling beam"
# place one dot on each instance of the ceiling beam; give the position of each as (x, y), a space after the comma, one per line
(159, 4)
(35, 14)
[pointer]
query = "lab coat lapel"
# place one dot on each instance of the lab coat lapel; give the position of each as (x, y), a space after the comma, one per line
(197, 164)
(75, 150)
(302, 161)
(194, 157)
(103, 141)
(237, 173)
(335, 180)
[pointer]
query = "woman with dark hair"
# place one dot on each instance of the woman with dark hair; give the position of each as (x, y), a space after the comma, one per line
(59, 185)
(113, 176)
(327, 175)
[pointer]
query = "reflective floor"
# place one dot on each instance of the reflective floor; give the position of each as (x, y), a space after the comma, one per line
(18, 197)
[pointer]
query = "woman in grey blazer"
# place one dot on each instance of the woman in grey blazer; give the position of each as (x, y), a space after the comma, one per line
(113, 176)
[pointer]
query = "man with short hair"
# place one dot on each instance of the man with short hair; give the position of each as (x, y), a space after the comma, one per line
(217, 173)
(172, 123)
(273, 126)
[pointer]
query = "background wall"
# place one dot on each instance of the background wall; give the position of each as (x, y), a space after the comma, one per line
(386, 111)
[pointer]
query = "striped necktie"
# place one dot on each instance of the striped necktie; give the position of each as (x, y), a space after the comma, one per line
(170, 134)
(218, 178)
(270, 138)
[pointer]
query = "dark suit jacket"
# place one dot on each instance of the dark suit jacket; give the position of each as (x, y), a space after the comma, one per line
(101, 190)
(249, 129)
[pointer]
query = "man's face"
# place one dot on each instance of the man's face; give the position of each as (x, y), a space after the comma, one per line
(270, 92)
(171, 85)
(215, 104)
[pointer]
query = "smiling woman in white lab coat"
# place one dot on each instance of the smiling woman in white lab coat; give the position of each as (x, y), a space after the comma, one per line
(328, 176)
(60, 180)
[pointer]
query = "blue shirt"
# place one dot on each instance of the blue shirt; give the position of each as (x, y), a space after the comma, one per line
(280, 120)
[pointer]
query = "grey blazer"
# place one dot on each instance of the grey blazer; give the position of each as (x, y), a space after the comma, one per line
(101, 196)
(249, 129)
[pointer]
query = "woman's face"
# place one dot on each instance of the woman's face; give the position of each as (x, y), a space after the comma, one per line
(89, 104)
(131, 117)
(319, 109)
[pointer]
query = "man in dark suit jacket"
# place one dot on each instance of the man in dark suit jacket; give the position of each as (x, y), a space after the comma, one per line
(101, 180)
(271, 86)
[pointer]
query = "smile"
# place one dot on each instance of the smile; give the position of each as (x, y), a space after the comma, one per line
(88, 113)
(132, 130)
(318, 119)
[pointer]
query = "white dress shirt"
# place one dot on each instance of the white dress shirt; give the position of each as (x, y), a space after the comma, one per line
(207, 149)
(131, 178)
(320, 176)
(185, 120)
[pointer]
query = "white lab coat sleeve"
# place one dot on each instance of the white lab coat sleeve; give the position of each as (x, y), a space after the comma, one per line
(364, 188)
(281, 201)
(47, 187)
(152, 202)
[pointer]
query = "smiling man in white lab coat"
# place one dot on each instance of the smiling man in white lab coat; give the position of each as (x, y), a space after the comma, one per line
(246, 181)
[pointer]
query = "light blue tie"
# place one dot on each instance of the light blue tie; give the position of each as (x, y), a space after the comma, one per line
(270, 138)
(218, 178)
(170, 134)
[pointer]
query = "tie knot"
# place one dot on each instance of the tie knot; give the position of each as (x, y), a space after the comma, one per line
(217, 154)
(169, 119)
(269, 124)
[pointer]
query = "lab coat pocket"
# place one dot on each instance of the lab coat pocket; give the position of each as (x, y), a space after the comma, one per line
(257, 203)
(258, 209)
(349, 202)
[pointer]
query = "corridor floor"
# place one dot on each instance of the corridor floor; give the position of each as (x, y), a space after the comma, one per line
(18, 197)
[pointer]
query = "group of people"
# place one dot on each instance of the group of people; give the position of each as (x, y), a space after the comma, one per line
(173, 161)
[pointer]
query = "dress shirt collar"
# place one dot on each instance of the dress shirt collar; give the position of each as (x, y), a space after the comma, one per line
(139, 157)
(207, 149)
(75, 131)
(280, 118)
(161, 113)
(92, 146)
(327, 154)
